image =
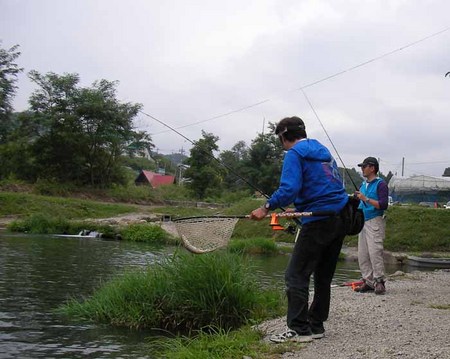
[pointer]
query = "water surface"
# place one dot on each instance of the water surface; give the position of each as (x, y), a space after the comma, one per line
(40, 273)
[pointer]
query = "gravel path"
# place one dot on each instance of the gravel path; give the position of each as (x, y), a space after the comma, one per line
(406, 322)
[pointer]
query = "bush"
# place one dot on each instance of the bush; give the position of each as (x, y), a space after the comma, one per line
(183, 293)
(253, 246)
(145, 233)
(40, 224)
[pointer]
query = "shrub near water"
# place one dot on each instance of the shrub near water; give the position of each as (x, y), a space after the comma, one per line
(253, 246)
(40, 224)
(183, 293)
(145, 233)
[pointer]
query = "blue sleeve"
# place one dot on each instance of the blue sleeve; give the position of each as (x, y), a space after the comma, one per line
(290, 182)
(383, 195)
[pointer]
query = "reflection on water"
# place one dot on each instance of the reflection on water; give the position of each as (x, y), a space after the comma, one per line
(39, 273)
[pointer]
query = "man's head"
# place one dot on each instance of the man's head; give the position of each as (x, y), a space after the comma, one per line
(291, 129)
(369, 162)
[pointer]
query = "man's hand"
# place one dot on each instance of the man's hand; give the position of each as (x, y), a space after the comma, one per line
(259, 213)
(360, 196)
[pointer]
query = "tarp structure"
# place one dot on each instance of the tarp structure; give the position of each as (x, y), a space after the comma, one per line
(420, 188)
(153, 179)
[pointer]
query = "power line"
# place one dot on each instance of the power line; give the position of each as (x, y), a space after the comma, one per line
(317, 81)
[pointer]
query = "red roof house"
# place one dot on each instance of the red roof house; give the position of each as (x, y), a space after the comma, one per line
(153, 179)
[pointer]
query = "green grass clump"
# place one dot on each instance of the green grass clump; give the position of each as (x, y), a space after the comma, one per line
(253, 246)
(146, 233)
(182, 293)
(40, 224)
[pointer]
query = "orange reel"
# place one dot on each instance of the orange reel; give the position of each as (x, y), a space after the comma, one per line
(274, 223)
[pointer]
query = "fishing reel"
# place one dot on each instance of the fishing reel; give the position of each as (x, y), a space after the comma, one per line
(276, 226)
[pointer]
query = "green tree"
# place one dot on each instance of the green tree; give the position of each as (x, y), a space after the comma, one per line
(234, 162)
(81, 133)
(140, 145)
(265, 159)
(205, 172)
(8, 79)
(16, 157)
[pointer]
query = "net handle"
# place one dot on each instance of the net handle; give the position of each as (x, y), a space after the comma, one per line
(280, 215)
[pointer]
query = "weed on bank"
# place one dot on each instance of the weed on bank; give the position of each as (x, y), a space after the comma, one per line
(184, 293)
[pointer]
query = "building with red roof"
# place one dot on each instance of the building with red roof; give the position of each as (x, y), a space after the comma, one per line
(153, 179)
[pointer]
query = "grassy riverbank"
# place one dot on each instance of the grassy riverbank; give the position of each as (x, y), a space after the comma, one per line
(409, 228)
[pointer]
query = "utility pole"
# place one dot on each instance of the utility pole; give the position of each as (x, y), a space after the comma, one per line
(264, 125)
(403, 166)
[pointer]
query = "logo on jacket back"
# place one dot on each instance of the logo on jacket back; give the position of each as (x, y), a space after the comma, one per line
(331, 170)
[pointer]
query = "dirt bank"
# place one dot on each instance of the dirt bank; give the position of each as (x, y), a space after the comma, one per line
(411, 321)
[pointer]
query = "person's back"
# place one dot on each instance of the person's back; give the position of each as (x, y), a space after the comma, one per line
(310, 179)
(322, 188)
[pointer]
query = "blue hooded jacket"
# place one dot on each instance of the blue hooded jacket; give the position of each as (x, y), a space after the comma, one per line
(310, 180)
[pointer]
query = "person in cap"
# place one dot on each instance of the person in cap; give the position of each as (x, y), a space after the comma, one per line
(374, 195)
(310, 179)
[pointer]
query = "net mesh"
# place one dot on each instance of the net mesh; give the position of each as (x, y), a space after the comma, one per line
(205, 234)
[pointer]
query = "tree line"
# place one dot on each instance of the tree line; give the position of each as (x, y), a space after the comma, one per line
(85, 135)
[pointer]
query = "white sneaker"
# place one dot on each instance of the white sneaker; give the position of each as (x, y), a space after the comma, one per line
(290, 335)
(317, 335)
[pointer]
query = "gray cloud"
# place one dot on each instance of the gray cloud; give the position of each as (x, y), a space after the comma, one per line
(191, 61)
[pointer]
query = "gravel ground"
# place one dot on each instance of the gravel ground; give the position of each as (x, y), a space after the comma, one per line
(400, 324)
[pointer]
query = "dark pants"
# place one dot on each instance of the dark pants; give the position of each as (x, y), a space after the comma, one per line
(316, 251)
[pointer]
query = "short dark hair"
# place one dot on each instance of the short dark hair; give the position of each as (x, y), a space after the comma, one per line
(291, 128)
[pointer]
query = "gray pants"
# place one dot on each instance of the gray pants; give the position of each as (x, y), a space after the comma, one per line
(370, 250)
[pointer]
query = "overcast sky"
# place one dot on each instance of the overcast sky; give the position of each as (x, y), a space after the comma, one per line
(230, 67)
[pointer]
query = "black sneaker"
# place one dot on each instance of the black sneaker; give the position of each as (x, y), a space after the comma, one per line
(364, 288)
(380, 288)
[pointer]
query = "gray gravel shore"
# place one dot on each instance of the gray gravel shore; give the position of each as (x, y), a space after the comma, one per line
(412, 320)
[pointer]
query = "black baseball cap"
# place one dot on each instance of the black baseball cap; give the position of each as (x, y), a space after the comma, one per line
(370, 161)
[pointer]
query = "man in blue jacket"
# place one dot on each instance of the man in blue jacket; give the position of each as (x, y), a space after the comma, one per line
(311, 181)
(374, 196)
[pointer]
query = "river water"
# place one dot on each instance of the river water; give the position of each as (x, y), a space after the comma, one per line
(39, 273)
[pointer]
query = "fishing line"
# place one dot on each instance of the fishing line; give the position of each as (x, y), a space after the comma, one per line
(218, 116)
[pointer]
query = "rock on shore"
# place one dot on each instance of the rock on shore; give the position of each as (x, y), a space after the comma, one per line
(412, 320)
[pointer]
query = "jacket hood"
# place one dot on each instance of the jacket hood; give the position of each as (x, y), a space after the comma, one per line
(311, 149)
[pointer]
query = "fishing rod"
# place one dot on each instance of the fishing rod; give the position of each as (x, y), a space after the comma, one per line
(329, 138)
(209, 155)
(220, 162)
